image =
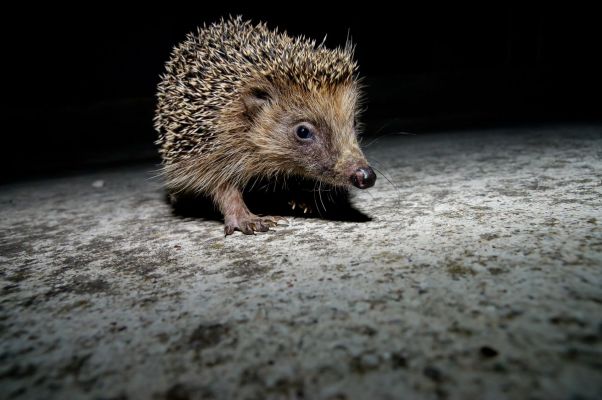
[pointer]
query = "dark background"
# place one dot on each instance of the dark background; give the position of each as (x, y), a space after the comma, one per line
(78, 84)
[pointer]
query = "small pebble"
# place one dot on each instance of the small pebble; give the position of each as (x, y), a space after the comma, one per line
(476, 268)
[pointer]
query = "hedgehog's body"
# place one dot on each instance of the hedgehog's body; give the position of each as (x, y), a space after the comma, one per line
(240, 102)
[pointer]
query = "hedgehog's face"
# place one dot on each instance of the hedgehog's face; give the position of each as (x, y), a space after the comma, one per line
(310, 133)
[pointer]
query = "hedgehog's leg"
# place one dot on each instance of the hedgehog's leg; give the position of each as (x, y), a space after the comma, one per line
(236, 214)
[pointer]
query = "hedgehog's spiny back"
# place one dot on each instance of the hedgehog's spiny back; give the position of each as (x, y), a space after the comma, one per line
(207, 72)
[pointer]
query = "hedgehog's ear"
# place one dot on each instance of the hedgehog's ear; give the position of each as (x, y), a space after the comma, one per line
(255, 98)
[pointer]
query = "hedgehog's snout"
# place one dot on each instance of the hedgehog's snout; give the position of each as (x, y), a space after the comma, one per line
(363, 177)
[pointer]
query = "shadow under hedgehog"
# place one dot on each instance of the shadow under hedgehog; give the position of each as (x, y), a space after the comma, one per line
(240, 102)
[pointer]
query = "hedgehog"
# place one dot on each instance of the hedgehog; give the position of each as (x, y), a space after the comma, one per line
(239, 101)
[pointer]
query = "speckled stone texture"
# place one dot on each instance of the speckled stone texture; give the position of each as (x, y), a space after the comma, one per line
(479, 276)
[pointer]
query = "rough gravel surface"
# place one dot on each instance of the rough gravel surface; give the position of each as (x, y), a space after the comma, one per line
(479, 275)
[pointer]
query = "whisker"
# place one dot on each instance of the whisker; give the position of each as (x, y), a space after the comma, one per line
(253, 184)
(320, 194)
(329, 193)
(157, 173)
(397, 190)
(400, 133)
(316, 201)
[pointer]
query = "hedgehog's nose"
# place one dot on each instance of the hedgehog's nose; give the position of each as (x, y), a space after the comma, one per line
(363, 177)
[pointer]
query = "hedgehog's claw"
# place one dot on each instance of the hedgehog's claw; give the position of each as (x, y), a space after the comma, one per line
(273, 221)
(251, 224)
(307, 209)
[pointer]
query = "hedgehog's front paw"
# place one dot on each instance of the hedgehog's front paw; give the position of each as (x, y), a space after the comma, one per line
(249, 224)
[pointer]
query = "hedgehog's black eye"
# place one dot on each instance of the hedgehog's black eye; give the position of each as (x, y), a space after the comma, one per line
(303, 132)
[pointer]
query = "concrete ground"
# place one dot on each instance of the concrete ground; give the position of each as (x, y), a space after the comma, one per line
(478, 276)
